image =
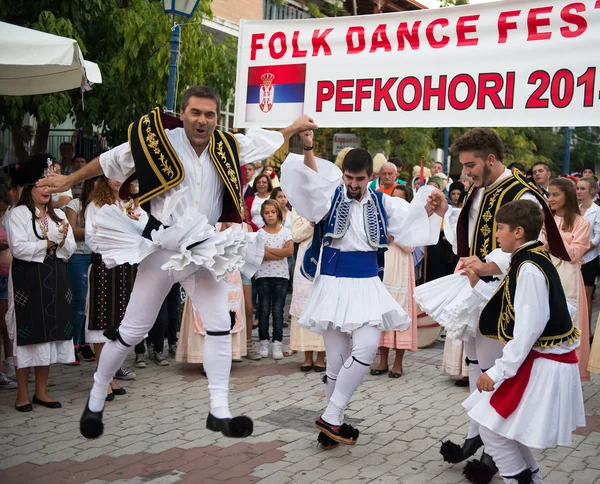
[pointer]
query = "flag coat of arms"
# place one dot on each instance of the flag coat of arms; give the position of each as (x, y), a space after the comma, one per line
(275, 93)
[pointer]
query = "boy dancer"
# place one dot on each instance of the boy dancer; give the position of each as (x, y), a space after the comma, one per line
(533, 396)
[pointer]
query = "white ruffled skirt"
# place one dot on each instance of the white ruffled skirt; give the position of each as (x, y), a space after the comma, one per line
(347, 304)
(551, 408)
(119, 240)
(452, 303)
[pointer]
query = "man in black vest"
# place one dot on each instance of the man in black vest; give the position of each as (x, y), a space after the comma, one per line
(199, 167)
(472, 233)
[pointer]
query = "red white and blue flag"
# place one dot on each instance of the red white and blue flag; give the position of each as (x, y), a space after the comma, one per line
(275, 93)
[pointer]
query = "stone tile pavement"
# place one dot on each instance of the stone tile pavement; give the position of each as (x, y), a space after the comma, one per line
(155, 434)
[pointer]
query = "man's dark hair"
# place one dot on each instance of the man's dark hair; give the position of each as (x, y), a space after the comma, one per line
(482, 141)
(202, 92)
(396, 161)
(64, 143)
(544, 164)
(357, 160)
(518, 166)
(522, 213)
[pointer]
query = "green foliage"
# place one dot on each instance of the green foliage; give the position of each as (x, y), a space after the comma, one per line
(453, 3)
(129, 39)
(526, 145)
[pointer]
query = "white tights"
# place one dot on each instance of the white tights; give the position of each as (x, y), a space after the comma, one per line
(510, 456)
(347, 366)
(151, 286)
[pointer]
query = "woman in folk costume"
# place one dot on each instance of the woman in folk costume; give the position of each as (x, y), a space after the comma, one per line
(575, 231)
(39, 298)
(301, 339)
(189, 174)
(109, 290)
(399, 280)
(190, 347)
(348, 301)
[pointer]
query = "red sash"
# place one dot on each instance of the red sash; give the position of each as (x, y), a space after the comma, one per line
(507, 397)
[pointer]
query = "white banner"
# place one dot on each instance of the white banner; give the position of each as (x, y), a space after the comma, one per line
(508, 63)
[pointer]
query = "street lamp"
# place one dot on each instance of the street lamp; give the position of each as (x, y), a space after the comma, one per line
(184, 8)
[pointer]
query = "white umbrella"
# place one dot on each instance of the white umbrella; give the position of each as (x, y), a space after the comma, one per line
(33, 62)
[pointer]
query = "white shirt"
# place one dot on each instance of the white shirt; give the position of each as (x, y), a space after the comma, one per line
(592, 215)
(82, 247)
(532, 312)
(275, 268)
(202, 184)
(24, 244)
(255, 211)
(451, 219)
(311, 194)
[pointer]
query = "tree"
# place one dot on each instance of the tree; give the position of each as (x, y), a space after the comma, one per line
(453, 3)
(129, 39)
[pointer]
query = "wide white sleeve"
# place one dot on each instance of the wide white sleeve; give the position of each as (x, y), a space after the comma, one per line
(308, 191)
(450, 224)
(409, 223)
(90, 216)
(258, 144)
(500, 258)
(532, 311)
(69, 244)
(19, 234)
(118, 163)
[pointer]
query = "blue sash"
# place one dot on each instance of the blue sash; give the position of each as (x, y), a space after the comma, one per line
(353, 264)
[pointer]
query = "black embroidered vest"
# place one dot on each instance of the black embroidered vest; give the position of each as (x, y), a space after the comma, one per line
(158, 168)
(497, 319)
(484, 233)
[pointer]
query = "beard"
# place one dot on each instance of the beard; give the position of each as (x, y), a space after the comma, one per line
(353, 195)
(485, 176)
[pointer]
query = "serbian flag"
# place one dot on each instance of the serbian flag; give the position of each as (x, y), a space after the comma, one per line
(275, 93)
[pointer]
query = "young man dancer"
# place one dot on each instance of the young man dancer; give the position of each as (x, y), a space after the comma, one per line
(348, 299)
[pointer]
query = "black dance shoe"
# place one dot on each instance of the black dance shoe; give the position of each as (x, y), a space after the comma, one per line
(481, 471)
(343, 434)
(454, 454)
(326, 443)
(236, 427)
(90, 425)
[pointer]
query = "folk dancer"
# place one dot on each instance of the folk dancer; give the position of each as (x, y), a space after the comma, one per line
(190, 178)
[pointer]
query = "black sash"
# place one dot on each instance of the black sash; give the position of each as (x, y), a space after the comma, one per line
(42, 300)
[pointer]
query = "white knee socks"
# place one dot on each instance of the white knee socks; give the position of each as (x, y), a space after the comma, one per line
(113, 356)
(354, 369)
(217, 364)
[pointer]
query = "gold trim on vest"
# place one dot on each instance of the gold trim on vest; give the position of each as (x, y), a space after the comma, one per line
(224, 152)
(149, 142)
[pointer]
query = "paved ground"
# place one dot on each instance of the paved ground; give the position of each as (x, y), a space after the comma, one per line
(155, 434)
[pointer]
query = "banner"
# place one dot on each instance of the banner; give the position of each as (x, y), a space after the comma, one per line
(508, 63)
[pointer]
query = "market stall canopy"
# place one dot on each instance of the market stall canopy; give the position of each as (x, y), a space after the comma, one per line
(33, 62)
